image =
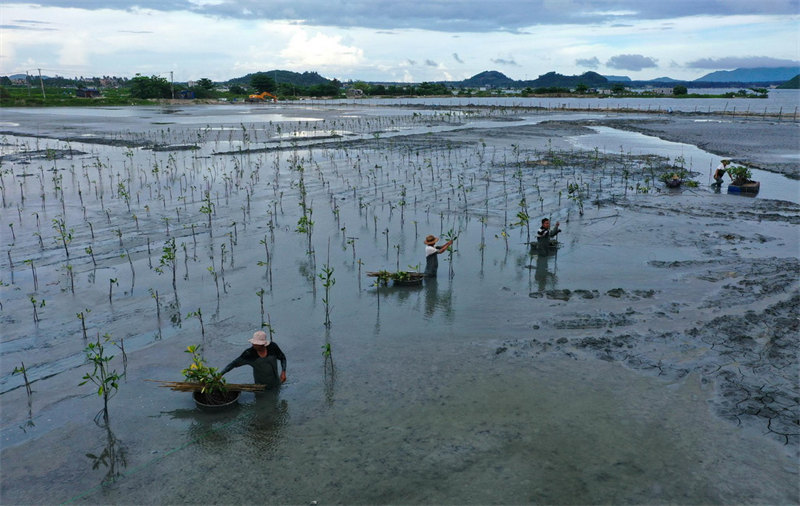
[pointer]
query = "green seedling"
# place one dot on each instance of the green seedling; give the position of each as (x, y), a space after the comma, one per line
(102, 376)
(111, 283)
(35, 302)
(199, 315)
(33, 272)
(82, 317)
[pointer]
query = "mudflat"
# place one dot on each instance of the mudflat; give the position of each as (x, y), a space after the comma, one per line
(650, 358)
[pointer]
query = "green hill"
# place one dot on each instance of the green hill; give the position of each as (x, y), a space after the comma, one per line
(491, 78)
(791, 84)
(556, 80)
(286, 77)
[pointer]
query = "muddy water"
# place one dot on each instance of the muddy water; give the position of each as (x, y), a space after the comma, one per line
(432, 396)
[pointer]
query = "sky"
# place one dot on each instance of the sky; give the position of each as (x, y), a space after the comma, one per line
(396, 40)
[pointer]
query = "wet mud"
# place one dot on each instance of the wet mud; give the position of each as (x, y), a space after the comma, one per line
(651, 357)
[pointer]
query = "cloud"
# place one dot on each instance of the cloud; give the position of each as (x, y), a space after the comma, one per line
(741, 62)
(431, 63)
(411, 62)
(320, 50)
(456, 58)
(592, 62)
(631, 62)
(465, 15)
(28, 24)
(502, 61)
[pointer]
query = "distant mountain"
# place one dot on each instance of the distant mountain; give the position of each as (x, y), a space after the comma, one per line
(665, 80)
(752, 75)
(285, 77)
(791, 84)
(617, 79)
(553, 79)
(491, 78)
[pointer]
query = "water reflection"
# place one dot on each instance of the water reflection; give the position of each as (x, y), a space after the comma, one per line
(436, 299)
(545, 279)
(113, 457)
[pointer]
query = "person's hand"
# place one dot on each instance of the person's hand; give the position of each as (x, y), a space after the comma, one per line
(283, 376)
(558, 223)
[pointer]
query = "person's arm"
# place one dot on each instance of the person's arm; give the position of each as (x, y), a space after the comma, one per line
(237, 362)
(554, 232)
(444, 248)
(274, 348)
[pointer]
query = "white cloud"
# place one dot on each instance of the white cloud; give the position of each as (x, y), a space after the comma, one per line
(319, 50)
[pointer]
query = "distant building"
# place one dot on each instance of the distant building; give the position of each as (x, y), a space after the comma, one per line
(186, 94)
(87, 93)
(354, 92)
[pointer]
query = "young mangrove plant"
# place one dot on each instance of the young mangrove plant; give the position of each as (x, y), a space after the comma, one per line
(64, 235)
(82, 317)
(168, 258)
(24, 372)
(327, 281)
(41, 304)
(33, 272)
(260, 294)
(102, 376)
(154, 295)
(450, 236)
(111, 283)
(199, 315)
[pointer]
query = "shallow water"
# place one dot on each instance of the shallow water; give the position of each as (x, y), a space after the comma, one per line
(610, 140)
(425, 403)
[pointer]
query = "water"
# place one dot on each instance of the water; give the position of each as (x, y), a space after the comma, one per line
(434, 394)
(784, 102)
(610, 140)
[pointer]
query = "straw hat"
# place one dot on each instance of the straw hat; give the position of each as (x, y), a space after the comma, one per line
(431, 240)
(260, 338)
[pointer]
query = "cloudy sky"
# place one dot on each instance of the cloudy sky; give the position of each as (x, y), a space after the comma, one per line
(397, 40)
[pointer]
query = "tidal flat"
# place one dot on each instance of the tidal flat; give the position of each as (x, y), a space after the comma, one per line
(651, 358)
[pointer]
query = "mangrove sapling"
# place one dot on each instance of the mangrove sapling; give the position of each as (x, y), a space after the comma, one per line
(13, 235)
(33, 272)
(111, 283)
(216, 279)
(222, 267)
(82, 317)
(41, 304)
(101, 375)
(28, 391)
(154, 295)
(64, 234)
(168, 258)
(260, 294)
(199, 315)
(327, 281)
(130, 262)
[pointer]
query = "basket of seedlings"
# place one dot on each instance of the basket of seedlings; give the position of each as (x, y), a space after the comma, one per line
(209, 389)
(399, 278)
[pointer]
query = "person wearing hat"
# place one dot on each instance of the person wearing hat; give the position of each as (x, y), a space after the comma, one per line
(721, 170)
(263, 357)
(431, 254)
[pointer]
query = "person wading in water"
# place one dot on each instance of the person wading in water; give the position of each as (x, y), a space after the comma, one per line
(432, 253)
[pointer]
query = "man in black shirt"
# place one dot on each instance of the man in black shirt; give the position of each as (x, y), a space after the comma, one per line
(263, 357)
